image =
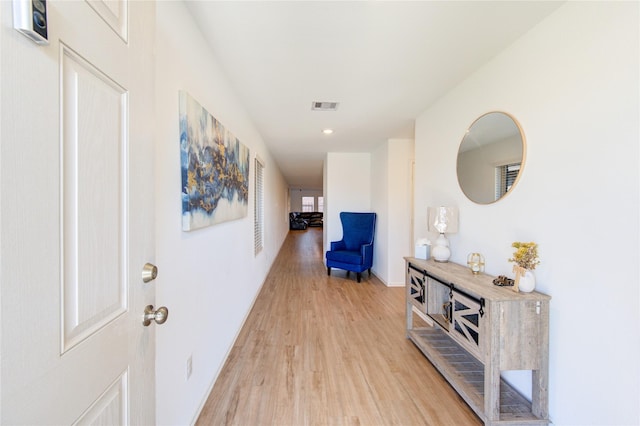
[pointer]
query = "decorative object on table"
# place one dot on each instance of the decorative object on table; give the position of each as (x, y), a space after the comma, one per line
(475, 262)
(442, 220)
(447, 312)
(503, 281)
(214, 167)
(422, 249)
(526, 259)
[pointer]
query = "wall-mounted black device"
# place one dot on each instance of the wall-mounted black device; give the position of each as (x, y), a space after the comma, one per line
(30, 18)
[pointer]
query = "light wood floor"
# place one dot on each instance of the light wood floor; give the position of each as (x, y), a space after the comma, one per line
(319, 350)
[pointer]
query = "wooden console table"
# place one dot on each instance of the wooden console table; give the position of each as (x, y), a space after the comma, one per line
(478, 330)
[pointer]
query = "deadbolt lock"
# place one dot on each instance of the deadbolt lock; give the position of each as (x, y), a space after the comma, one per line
(149, 272)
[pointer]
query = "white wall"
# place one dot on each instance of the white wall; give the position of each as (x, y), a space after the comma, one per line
(295, 198)
(573, 83)
(379, 204)
(1, 227)
(399, 200)
(347, 187)
(208, 278)
(391, 199)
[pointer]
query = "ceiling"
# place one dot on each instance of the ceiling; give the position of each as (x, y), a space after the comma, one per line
(384, 62)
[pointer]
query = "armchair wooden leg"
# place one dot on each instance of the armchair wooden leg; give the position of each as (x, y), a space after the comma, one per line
(369, 271)
(329, 270)
(358, 276)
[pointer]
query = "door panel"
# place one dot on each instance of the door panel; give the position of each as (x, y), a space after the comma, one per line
(110, 408)
(94, 140)
(77, 225)
(114, 13)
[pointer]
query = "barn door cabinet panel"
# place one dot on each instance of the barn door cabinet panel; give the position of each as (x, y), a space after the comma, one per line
(476, 331)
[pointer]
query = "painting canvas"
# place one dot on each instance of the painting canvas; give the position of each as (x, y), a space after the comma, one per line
(214, 166)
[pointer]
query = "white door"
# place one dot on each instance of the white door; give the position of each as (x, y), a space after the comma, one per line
(76, 222)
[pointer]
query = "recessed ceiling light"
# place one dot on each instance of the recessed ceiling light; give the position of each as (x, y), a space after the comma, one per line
(327, 131)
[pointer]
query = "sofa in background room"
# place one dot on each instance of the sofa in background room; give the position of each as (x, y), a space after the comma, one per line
(302, 220)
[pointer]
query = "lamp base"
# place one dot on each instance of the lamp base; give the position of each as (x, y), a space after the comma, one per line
(441, 251)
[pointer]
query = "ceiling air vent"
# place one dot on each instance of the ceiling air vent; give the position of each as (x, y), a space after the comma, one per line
(324, 106)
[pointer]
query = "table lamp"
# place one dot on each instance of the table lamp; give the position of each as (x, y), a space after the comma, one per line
(442, 220)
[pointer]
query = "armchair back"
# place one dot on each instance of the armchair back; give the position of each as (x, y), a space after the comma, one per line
(357, 229)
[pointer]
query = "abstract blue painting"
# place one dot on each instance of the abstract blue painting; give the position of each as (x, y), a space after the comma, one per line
(214, 166)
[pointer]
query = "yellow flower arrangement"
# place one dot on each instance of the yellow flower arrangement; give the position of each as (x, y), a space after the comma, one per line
(526, 255)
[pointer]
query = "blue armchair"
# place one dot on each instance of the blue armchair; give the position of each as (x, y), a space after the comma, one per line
(355, 251)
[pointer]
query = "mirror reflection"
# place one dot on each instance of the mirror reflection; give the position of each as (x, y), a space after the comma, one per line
(490, 157)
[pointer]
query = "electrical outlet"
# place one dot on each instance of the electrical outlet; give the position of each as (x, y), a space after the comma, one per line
(189, 367)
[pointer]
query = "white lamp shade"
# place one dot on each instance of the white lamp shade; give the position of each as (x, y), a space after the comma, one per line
(443, 219)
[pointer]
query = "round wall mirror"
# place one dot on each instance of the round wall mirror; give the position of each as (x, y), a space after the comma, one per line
(491, 157)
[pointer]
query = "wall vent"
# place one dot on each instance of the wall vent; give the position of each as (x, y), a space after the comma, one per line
(324, 106)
